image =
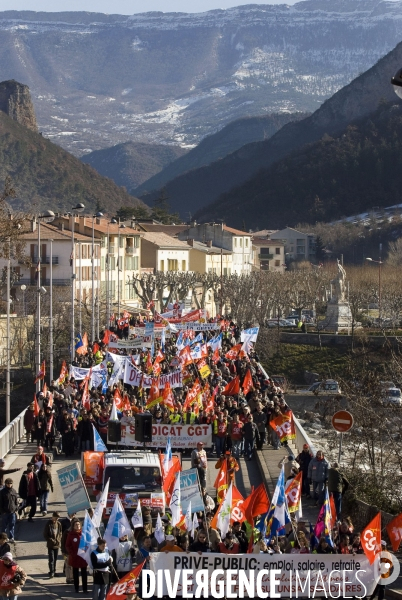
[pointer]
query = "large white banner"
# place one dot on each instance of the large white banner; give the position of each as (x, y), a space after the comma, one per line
(197, 326)
(133, 376)
(287, 575)
(181, 436)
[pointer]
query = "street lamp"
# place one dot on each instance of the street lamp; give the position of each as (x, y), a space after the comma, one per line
(47, 217)
(122, 226)
(23, 290)
(379, 263)
(79, 208)
(97, 215)
(108, 279)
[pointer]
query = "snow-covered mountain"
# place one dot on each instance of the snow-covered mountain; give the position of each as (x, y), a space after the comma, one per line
(97, 80)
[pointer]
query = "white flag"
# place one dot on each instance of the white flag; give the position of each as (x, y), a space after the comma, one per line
(113, 413)
(97, 518)
(117, 526)
(136, 519)
(187, 520)
(88, 540)
(159, 533)
(175, 502)
(225, 512)
(194, 526)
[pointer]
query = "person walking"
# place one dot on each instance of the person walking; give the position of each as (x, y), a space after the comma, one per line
(12, 577)
(304, 459)
(29, 489)
(74, 560)
(101, 563)
(52, 534)
(337, 486)
(46, 484)
(236, 435)
(199, 461)
(8, 509)
(29, 421)
(4, 471)
(250, 434)
(260, 419)
(318, 474)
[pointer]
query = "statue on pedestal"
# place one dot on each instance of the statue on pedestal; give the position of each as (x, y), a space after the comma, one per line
(339, 284)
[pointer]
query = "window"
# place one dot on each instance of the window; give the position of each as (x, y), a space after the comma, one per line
(162, 267)
(131, 263)
(173, 264)
(183, 265)
(102, 263)
(135, 267)
(112, 263)
(235, 242)
(225, 271)
(246, 242)
(277, 263)
(136, 241)
(241, 242)
(121, 241)
(129, 292)
(277, 250)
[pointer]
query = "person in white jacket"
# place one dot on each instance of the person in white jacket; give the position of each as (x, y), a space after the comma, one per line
(123, 556)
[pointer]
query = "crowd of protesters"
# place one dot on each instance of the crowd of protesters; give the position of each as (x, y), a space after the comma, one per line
(240, 427)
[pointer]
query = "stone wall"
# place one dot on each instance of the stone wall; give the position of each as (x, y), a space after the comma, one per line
(332, 339)
(15, 101)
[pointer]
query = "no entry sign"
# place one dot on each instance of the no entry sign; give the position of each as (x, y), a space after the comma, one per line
(342, 421)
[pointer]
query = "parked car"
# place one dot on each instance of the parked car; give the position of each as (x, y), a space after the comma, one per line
(329, 386)
(279, 322)
(393, 397)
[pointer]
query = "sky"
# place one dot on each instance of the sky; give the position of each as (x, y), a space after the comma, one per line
(128, 7)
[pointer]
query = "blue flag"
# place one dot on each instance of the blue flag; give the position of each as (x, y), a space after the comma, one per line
(88, 540)
(104, 382)
(78, 341)
(278, 514)
(99, 445)
(167, 459)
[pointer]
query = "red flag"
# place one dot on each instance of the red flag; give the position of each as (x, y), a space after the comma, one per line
(232, 388)
(126, 402)
(118, 399)
(160, 357)
(125, 585)
(221, 482)
(293, 493)
(371, 538)
(247, 383)
(44, 389)
(63, 373)
(238, 513)
(215, 356)
(192, 395)
(167, 397)
(169, 480)
(42, 372)
(284, 426)
(95, 348)
(256, 504)
(85, 403)
(36, 406)
(126, 315)
(211, 402)
(394, 530)
(106, 336)
(185, 356)
(233, 352)
(155, 396)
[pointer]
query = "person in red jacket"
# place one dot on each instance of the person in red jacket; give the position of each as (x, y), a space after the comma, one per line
(228, 546)
(75, 561)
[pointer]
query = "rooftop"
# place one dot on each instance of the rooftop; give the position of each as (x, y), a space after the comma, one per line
(52, 232)
(235, 231)
(163, 240)
(207, 249)
(160, 228)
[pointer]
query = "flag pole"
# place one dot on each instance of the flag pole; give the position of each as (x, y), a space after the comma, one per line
(205, 516)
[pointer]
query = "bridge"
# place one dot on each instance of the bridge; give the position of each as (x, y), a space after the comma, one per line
(30, 547)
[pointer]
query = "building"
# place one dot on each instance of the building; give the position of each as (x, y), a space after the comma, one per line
(268, 255)
(206, 258)
(163, 252)
(298, 245)
(221, 236)
(120, 255)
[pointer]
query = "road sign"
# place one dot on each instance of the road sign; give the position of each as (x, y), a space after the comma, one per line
(342, 421)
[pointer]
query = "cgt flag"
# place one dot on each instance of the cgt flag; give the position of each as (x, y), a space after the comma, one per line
(42, 372)
(394, 530)
(125, 585)
(284, 426)
(371, 538)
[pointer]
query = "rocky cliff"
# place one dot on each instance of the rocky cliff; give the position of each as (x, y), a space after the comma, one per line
(15, 101)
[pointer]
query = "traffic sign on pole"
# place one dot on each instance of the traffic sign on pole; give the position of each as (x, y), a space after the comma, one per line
(342, 421)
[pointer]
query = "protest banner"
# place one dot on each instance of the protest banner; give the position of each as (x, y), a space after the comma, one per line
(272, 575)
(181, 436)
(197, 326)
(128, 344)
(190, 491)
(74, 491)
(92, 464)
(135, 377)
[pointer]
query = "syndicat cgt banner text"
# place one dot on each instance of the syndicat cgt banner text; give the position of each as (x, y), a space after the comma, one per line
(181, 436)
(278, 575)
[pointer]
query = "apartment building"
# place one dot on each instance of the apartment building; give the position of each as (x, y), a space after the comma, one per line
(298, 245)
(268, 255)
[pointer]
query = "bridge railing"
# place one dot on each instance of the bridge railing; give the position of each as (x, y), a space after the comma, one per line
(301, 435)
(12, 434)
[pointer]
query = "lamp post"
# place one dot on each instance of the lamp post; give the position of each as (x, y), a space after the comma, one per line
(76, 209)
(80, 288)
(122, 226)
(97, 215)
(51, 361)
(112, 222)
(8, 366)
(379, 263)
(47, 217)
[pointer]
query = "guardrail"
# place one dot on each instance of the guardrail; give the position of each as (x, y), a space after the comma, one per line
(301, 435)
(12, 434)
